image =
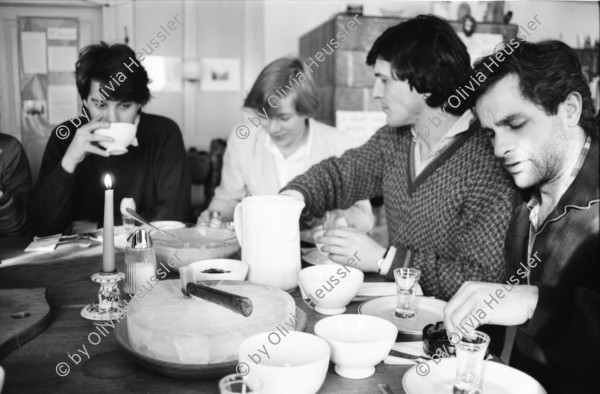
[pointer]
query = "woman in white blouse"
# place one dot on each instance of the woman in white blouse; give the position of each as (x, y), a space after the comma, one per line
(279, 142)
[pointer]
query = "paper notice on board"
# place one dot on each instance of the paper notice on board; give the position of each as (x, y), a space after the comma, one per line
(62, 58)
(62, 33)
(33, 46)
(62, 103)
(359, 124)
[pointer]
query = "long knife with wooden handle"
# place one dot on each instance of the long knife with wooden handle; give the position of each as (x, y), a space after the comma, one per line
(234, 302)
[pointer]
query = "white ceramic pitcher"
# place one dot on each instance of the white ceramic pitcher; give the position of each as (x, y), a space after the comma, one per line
(268, 230)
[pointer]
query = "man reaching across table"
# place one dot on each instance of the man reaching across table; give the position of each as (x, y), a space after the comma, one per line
(448, 202)
(536, 106)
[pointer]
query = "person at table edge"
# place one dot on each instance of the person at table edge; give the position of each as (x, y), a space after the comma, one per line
(448, 202)
(15, 188)
(280, 142)
(536, 106)
(113, 87)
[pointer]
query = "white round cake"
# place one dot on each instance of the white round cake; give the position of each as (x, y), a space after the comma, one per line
(166, 326)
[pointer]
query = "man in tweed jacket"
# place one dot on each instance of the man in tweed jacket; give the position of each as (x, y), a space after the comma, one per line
(448, 201)
(537, 108)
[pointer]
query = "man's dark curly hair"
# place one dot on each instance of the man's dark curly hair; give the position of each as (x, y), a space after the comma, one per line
(548, 72)
(426, 52)
(103, 63)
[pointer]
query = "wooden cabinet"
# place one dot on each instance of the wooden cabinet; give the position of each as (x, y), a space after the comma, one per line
(344, 81)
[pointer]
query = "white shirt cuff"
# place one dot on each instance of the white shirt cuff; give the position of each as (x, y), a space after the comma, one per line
(387, 262)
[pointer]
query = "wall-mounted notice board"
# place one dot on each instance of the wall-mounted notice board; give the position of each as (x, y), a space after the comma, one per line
(48, 50)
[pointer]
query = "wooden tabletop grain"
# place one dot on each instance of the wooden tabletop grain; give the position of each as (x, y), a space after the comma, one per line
(35, 366)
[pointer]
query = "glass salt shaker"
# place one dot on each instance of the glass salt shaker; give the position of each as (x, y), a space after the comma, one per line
(140, 262)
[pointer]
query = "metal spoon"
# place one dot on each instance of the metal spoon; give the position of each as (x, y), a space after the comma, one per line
(140, 219)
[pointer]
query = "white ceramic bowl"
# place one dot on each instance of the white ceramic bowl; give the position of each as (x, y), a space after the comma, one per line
(330, 287)
(358, 342)
(204, 243)
(167, 224)
(297, 362)
(237, 269)
(123, 134)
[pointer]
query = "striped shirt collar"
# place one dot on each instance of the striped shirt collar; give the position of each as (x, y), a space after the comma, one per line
(535, 201)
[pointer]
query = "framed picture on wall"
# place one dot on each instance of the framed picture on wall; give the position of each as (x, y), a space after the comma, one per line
(220, 75)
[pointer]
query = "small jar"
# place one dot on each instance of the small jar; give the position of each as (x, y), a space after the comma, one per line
(140, 262)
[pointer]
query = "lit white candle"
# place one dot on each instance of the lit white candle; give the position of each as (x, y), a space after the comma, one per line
(108, 231)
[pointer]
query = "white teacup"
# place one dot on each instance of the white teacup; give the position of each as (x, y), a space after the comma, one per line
(123, 135)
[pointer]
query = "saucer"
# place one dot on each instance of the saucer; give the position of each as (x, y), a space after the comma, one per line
(429, 311)
(437, 376)
(314, 257)
(116, 151)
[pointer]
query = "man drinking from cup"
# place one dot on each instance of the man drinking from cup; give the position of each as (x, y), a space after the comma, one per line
(537, 109)
(149, 166)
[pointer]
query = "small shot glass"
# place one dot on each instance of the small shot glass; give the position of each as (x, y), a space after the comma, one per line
(407, 280)
(128, 224)
(329, 221)
(470, 351)
(240, 384)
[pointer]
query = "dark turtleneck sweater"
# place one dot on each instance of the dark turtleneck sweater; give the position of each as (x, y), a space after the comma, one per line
(155, 174)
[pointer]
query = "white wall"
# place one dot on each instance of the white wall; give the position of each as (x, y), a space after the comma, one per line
(149, 19)
(259, 31)
(286, 21)
(209, 28)
(217, 33)
(564, 20)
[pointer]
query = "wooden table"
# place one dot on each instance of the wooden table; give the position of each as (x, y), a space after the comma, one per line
(32, 367)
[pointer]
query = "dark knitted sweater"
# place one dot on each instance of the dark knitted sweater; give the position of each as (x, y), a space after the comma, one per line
(155, 174)
(450, 222)
(15, 185)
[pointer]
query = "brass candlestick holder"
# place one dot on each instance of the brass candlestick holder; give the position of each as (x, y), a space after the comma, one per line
(109, 305)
